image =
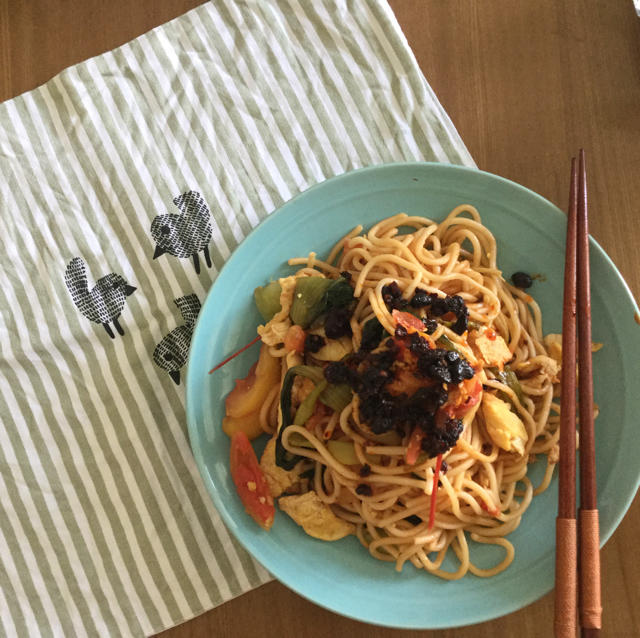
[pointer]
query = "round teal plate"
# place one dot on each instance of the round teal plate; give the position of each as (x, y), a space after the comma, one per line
(342, 576)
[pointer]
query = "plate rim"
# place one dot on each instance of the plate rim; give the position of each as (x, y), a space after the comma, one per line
(194, 438)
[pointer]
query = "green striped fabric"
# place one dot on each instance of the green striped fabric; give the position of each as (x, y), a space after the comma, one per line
(183, 139)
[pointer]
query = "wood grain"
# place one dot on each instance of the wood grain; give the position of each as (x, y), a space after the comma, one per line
(527, 84)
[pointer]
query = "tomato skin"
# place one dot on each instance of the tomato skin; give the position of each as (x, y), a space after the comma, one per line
(250, 481)
(294, 339)
(407, 320)
(463, 398)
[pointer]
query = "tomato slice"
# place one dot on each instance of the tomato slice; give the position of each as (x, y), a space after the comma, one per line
(294, 339)
(463, 397)
(407, 320)
(250, 481)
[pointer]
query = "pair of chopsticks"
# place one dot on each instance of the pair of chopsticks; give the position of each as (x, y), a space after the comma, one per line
(577, 542)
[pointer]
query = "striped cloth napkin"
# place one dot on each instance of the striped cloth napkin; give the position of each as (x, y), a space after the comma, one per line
(125, 183)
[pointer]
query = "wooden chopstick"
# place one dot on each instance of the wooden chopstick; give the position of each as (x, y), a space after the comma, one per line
(572, 567)
(588, 526)
(566, 538)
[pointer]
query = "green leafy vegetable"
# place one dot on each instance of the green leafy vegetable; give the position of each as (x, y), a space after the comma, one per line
(267, 299)
(339, 293)
(309, 300)
(372, 332)
(313, 296)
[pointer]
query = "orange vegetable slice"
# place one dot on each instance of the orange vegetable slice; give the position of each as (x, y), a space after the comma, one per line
(250, 393)
(248, 423)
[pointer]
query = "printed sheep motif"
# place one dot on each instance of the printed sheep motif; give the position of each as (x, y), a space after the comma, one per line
(172, 352)
(187, 233)
(104, 302)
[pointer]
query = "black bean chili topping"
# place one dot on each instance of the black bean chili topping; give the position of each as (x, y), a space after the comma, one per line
(421, 298)
(521, 280)
(430, 325)
(338, 372)
(371, 371)
(439, 306)
(443, 438)
(313, 343)
(383, 411)
(392, 296)
(413, 519)
(337, 323)
(364, 490)
(365, 470)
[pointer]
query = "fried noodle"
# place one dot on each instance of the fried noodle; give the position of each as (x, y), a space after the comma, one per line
(483, 489)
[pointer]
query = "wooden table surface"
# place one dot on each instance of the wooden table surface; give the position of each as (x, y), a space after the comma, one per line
(527, 84)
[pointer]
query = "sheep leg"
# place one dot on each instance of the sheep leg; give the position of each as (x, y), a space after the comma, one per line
(207, 256)
(107, 327)
(118, 326)
(196, 262)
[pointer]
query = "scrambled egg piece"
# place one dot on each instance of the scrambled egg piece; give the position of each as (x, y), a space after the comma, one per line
(491, 346)
(275, 330)
(315, 517)
(553, 343)
(541, 367)
(279, 480)
(503, 426)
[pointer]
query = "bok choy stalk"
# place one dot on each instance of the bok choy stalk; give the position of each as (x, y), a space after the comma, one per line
(509, 378)
(337, 397)
(345, 453)
(285, 459)
(267, 299)
(447, 344)
(306, 408)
